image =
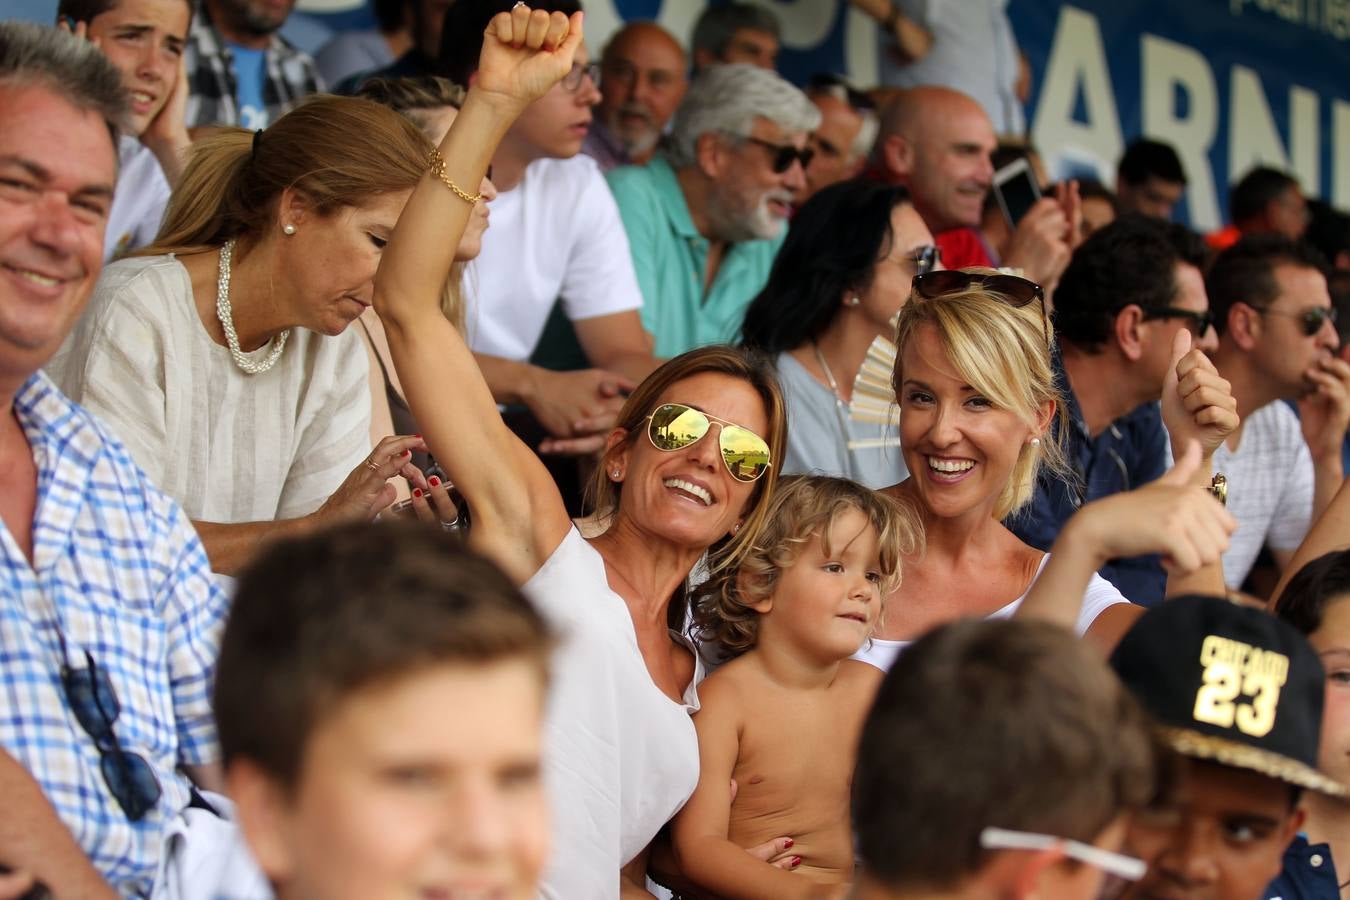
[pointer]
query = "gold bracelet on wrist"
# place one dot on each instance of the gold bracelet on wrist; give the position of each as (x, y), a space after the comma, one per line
(438, 169)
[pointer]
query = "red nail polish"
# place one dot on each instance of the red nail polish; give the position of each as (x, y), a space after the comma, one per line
(417, 492)
(796, 861)
(407, 453)
(418, 436)
(787, 844)
(433, 481)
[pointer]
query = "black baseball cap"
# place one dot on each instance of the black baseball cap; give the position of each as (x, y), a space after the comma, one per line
(1231, 684)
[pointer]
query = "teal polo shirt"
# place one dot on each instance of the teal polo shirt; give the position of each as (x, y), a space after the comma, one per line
(671, 257)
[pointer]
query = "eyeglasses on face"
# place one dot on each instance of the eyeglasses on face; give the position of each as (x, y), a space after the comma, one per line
(1011, 289)
(1312, 319)
(1199, 323)
(925, 258)
(674, 426)
(129, 777)
(1117, 864)
(572, 80)
(783, 154)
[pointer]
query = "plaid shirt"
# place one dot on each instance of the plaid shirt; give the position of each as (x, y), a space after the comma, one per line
(119, 572)
(291, 76)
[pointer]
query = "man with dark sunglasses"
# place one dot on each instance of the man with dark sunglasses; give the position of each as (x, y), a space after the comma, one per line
(1278, 341)
(707, 215)
(1129, 291)
(109, 614)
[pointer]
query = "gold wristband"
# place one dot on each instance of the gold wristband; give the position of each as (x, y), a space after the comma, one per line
(438, 169)
(1218, 486)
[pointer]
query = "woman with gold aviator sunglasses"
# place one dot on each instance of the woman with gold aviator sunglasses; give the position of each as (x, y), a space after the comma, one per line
(689, 465)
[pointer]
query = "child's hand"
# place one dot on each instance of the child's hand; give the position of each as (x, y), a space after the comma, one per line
(167, 134)
(525, 53)
(1171, 516)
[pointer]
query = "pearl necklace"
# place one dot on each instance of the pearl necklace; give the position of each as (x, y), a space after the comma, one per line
(226, 316)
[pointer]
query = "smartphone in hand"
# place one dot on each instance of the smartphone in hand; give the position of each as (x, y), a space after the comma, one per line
(1016, 190)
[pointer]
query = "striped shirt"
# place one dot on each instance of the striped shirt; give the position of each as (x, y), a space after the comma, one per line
(228, 446)
(120, 574)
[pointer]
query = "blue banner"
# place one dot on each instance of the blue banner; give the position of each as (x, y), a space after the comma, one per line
(1230, 83)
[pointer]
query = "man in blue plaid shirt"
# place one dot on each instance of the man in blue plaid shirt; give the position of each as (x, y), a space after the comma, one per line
(109, 616)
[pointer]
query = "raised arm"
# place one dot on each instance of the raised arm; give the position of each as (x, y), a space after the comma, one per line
(519, 518)
(1171, 516)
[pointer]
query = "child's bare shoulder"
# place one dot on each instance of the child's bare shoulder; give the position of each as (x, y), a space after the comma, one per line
(730, 684)
(858, 678)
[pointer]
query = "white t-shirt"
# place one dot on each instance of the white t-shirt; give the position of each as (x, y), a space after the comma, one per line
(556, 234)
(139, 200)
(229, 447)
(1270, 487)
(620, 757)
(1099, 595)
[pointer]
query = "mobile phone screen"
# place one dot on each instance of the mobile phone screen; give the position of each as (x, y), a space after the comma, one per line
(1016, 190)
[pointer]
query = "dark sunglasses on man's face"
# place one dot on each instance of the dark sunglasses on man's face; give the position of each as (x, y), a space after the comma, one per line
(1199, 323)
(1011, 289)
(784, 154)
(1312, 319)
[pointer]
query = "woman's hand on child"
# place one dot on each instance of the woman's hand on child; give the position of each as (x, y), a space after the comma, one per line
(525, 53)
(1171, 516)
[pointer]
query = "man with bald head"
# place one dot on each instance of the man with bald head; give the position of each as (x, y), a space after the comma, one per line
(643, 81)
(938, 143)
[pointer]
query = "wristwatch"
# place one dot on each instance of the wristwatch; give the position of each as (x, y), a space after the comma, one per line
(1218, 486)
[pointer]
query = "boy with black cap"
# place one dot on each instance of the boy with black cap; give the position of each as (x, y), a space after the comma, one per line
(1239, 693)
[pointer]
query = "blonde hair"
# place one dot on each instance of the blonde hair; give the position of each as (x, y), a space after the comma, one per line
(337, 151)
(1000, 350)
(802, 507)
(412, 97)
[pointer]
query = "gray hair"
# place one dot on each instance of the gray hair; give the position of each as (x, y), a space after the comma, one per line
(867, 132)
(714, 29)
(70, 67)
(727, 100)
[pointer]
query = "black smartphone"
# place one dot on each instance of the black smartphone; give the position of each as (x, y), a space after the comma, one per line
(1016, 189)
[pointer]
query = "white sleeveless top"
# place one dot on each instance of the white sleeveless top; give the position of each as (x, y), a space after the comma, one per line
(620, 757)
(1099, 595)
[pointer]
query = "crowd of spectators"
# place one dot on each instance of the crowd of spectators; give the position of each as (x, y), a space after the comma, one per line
(515, 473)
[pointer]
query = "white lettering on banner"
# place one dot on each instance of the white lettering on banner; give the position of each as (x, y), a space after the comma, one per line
(1077, 59)
(1254, 139)
(1340, 137)
(861, 47)
(1334, 18)
(1167, 65)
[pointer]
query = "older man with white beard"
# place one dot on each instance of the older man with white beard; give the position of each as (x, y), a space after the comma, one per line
(643, 81)
(706, 216)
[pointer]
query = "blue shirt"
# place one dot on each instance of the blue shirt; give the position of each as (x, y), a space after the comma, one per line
(1129, 453)
(1308, 874)
(118, 572)
(250, 67)
(671, 260)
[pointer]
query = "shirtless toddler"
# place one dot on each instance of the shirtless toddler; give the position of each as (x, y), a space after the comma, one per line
(782, 719)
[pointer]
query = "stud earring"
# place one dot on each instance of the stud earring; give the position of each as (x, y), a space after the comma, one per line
(616, 473)
(854, 300)
(288, 229)
(1035, 442)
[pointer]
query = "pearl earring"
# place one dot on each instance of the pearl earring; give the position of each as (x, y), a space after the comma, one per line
(288, 229)
(1035, 442)
(616, 473)
(854, 300)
